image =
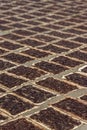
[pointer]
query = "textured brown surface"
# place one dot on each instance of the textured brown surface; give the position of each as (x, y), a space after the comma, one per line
(1, 90)
(31, 42)
(36, 53)
(85, 70)
(5, 65)
(43, 64)
(73, 106)
(20, 124)
(17, 58)
(53, 48)
(79, 55)
(2, 51)
(57, 85)
(33, 94)
(78, 78)
(50, 67)
(55, 119)
(13, 104)
(27, 72)
(84, 97)
(68, 44)
(9, 45)
(2, 117)
(10, 81)
(66, 61)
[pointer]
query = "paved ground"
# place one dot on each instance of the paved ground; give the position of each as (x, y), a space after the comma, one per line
(43, 64)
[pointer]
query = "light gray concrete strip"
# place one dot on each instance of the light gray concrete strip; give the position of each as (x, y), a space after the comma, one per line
(82, 127)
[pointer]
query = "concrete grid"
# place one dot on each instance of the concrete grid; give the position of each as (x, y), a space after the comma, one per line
(43, 65)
